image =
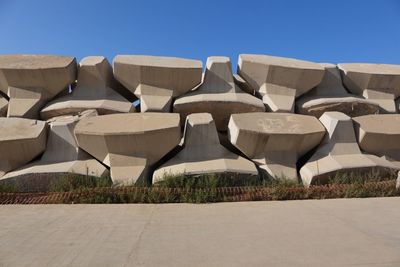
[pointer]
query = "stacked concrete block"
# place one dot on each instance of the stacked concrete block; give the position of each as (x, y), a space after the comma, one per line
(93, 91)
(339, 152)
(32, 80)
(21, 140)
(156, 81)
(91, 128)
(275, 141)
(379, 135)
(203, 153)
(377, 82)
(218, 95)
(130, 144)
(279, 81)
(62, 156)
(330, 95)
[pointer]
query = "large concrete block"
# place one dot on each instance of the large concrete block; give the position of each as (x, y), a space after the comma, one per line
(62, 155)
(203, 153)
(3, 106)
(94, 90)
(31, 80)
(274, 141)
(339, 152)
(279, 80)
(21, 140)
(218, 95)
(129, 143)
(330, 95)
(379, 135)
(157, 80)
(377, 82)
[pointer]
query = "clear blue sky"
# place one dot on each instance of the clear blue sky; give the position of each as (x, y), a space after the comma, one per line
(323, 31)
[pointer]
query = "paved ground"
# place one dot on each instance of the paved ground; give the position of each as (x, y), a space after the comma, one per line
(353, 232)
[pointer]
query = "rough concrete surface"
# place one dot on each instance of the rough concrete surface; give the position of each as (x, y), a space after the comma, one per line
(345, 232)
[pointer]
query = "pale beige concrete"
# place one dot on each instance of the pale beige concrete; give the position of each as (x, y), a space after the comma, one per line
(279, 80)
(203, 153)
(157, 80)
(218, 95)
(377, 82)
(94, 90)
(398, 180)
(339, 152)
(315, 233)
(21, 140)
(275, 141)
(330, 95)
(379, 135)
(3, 106)
(243, 84)
(129, 143)
(31, 80)
(62, 155)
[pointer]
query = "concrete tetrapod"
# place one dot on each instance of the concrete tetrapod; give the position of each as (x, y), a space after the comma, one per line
(339, 152)
(279, 80)
(218, 95)
(21, 140)
(377, 82)
(61, 156)
(379, 135)
(330, 95)
(129, 143)
(31, 80)
(94, 90)
(203, 153)
(274, 141)
(157, 80)
(3, 106)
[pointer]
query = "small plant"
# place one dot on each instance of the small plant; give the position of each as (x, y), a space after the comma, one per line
(71, 181)
(212, 180)
(360, 177)
(8, 188)
(204, 188)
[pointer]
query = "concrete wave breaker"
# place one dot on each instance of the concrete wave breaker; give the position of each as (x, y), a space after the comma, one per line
(156, 81)
(279, 81)
(203, 153)
(62, 155)
(377, 82)
(129, 143)
(330, 95)
(379, 135)
(339, 153)
(94, 90)
(21, 140)
(275, 141)
(218, 95)
(31, 80)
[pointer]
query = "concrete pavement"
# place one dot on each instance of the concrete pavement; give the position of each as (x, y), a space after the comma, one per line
(344, 232)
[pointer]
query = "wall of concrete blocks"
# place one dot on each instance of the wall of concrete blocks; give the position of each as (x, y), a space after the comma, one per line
(286, 118)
